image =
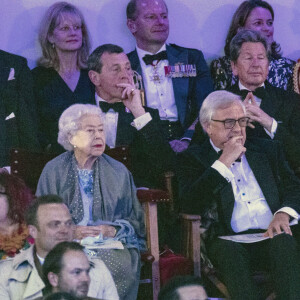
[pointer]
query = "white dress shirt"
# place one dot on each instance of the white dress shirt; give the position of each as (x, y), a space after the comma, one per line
(251, 210)
(110, 120)
(159, 95)
(258, 101)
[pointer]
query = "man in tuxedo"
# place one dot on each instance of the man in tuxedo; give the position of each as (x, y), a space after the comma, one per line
(126, 121)
(176, 79)
(274, 113)
(16, 111)
(239, 187)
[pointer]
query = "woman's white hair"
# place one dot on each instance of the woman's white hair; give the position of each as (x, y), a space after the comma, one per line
(69, 122)
(217, 100)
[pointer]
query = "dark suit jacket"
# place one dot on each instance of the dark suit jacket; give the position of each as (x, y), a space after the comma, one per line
(189, 91)
(16, 96)
(204, 191)
(284, 107)
(150, 152)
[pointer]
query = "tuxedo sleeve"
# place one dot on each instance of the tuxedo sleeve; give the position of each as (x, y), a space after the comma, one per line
(151, 151)
(287, 182)
(288, 130)
(198, 184)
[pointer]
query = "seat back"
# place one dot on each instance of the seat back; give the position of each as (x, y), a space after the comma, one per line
(296, 77)
(29, 165)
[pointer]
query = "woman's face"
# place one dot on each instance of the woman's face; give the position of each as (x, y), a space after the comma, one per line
(67, 35)
(260, 19)
(4, 207)
(89, 141)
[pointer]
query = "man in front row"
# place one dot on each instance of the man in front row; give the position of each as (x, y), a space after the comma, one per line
(50, 223)
(241, 186)
(66, 269)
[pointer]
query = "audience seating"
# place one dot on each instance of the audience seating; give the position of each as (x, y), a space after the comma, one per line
(296, 77)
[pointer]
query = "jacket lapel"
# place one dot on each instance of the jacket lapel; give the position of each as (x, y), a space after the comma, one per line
(209, 156)
(271, 103)
(125, 132)
(261, 168)
(135, 62)
(180, 85)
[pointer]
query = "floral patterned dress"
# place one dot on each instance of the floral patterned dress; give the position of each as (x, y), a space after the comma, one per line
(280, 73)
(14, 243)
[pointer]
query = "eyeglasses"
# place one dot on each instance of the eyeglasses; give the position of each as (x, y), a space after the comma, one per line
(230, 123)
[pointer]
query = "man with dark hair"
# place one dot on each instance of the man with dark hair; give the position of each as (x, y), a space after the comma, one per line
(183, 288)
(241, 187)
(126, 121)
(176, 79)
(66, 269)
(274, 112)
(49, 223)
(16, 106)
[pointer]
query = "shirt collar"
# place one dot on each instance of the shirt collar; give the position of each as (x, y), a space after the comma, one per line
(242, 87)
(215, 148)
(98, 99)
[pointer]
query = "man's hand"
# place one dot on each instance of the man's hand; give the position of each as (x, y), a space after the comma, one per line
(178, 145)
(131, 98)
(279, 224)
(233, 149)
(82, 232)
(256, 114)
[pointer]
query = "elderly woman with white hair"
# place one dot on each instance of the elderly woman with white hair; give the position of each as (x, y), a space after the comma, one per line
(99, 192)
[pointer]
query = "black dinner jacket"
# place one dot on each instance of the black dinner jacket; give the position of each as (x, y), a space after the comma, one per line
(150, 152)
(284, 107)
(16, 100)
(202, 190)
(189, 92)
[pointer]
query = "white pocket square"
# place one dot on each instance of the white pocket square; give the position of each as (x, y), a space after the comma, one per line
(11, 75)
(12, 115)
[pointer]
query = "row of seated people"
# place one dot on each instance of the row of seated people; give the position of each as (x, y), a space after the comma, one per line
(76, 175)
(255, 194)
(65, 76)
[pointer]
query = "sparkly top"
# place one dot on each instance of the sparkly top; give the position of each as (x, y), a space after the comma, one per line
(280, 73)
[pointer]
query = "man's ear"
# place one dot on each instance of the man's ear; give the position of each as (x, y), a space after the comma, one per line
(53, 279)
(33, 231)
(234, 68)
(95, 77)
(131, 26)
(207, 129)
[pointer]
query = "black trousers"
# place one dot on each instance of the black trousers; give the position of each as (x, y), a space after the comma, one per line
(237, 261)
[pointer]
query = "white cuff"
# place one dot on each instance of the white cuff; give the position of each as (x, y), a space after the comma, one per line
(141, 121)
(290, 211)
(223, 170)
(273, 129)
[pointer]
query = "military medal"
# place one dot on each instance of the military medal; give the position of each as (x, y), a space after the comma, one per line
(156, 78)
(180, 70)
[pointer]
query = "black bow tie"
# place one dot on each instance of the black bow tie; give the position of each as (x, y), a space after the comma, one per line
(220, 153)
(105, 106)
(148, 59)
(259, 93)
